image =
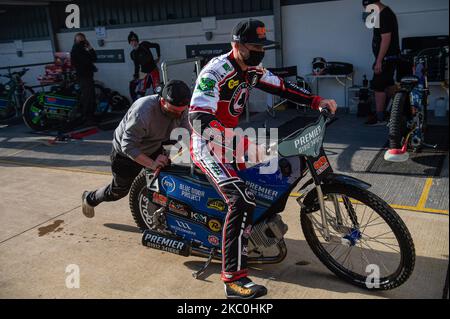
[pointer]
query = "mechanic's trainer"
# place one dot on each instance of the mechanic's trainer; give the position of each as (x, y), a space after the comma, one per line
(138, 141)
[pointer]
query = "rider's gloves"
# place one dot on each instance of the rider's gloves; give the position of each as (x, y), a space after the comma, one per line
(254, 74)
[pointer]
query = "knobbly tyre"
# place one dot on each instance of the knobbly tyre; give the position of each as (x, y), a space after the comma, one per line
(347, 227)
(408, 121)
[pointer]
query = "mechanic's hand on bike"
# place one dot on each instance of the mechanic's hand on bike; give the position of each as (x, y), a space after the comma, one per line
(331, 105)
(161, 161)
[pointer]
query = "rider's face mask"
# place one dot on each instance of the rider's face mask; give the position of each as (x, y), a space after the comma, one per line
(253, 57)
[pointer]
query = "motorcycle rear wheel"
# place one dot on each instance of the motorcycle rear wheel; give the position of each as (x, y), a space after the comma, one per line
(142, 208)
(398, 130)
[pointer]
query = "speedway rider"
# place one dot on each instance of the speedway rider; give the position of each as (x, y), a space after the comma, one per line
(221, 93)
(145, 66)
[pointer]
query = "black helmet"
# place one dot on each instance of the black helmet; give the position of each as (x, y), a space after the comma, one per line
(319, 65)
(133, 36)
(365, 3)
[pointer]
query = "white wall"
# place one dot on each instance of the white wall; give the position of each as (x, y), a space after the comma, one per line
(33, 52)
(335, 31)
(173, 39)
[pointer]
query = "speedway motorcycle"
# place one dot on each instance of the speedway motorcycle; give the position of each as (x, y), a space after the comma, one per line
(13, 94)
(349, 229)
(408, 121)
(59, 108)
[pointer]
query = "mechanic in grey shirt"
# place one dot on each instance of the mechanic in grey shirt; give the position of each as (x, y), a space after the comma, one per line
(138, 141)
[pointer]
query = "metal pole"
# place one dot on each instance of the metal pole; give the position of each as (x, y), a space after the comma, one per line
(166, 64)
(278, 30)
(51, 33)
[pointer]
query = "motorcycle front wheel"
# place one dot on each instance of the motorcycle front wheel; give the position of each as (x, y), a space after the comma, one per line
(368, 245)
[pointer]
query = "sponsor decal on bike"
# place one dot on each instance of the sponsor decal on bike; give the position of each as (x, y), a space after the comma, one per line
(216, 204)
(215, 225)
(262, 192)
(178, 208)
(321, 165)
(183, 225)
(213, 240)
(168, 184)
(203, 219)
(161, 242)
(191, 193)
(159, 199)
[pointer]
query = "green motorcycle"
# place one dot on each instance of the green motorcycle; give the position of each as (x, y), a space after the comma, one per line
(59, 108)
(13, 94)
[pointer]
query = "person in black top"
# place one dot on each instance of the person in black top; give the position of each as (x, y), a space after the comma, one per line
(145, 66)
(386, 48)
(83, 57)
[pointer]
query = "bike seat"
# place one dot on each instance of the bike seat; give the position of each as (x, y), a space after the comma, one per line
(410, 80)
(182, 170)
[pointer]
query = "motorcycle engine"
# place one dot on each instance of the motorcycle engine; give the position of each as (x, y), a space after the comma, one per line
(267, 234)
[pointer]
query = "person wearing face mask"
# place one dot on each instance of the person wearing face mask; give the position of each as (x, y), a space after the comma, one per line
(221, 94)
(83, 57)
(138, 139)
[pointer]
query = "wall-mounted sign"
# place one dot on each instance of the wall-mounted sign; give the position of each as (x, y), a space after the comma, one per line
(100, 33)
(110, 56)
(207, 51)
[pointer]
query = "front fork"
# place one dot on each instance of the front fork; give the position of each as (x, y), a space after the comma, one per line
(323, 213)
(339, 224)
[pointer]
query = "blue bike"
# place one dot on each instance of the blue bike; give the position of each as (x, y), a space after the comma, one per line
(353, 232)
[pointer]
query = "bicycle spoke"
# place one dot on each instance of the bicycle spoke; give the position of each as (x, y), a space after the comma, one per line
(382, 234)
(365, 226)
(383, 264)
(384, 244)
(382, 223)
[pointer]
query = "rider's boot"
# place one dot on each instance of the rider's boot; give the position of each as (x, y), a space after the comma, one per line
(88, 210)
(244, 288)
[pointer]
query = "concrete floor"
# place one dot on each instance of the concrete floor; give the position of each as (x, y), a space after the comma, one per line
(42, 230)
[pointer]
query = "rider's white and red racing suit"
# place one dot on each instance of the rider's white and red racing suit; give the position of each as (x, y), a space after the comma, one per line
(221, 93)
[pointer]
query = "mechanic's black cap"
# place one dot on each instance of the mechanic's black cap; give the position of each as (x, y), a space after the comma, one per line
(176, 93)
(250, 31)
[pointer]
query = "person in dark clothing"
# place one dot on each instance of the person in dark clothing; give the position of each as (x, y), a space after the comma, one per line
(145, 66)
(138, 140)
(386, 49)
(83, 57)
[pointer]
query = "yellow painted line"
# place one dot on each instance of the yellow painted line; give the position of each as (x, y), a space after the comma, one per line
(403, 207)
(85, 171)
(73, 170)
(425, 192)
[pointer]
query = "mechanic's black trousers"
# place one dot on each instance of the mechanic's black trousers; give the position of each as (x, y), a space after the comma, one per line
(87, 97)
(241, 203)
(124, 171)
